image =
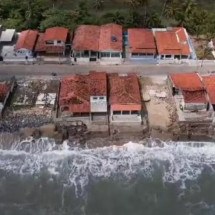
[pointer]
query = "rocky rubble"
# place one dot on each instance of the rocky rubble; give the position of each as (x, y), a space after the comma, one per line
(16, 122)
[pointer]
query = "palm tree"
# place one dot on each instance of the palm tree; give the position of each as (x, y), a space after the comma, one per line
(144, 4)
(172, 9)
(153, 20)
(188, 6)
(185, 13)
(98, 4)
(132, 3)
(166, 3)
(115, 17)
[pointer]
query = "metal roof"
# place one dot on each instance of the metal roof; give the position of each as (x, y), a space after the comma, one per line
(7, 35)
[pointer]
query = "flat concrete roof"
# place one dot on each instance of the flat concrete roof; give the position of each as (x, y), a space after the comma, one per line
(7, 35)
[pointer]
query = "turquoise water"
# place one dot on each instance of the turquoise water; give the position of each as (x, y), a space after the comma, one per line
(166, 178)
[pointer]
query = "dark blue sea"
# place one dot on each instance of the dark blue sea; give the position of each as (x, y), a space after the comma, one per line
(154, 178)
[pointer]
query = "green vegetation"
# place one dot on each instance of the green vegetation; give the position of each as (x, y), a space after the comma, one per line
(196, 15)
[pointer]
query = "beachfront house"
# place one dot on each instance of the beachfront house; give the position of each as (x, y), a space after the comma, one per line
(26, 43)
(188, 91)
(173, 44)
(6, 88)
(98, 95)
(209, 84)
(125, 99)
(84, 96)
(141, 44)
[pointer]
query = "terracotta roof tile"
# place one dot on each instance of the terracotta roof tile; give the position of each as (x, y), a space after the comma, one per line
(141, 41)
(194, 96)
(124, 90)
(172, 41)
(110, 37)
(76, 90)
(98, 38)
(27, 40)
(4, 88)
(56, 33)
(187, 81)
(54, 49)
(209, 83)
(98, 83)
(86, 38)
(40, 45)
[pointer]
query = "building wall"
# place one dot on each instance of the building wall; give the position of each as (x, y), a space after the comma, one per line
(139, 56)
(172, 57)
(55, 43)
(125, 113)
(24, 53)
(195, 107)
(98, 104)
(110, 57)
(81, 57)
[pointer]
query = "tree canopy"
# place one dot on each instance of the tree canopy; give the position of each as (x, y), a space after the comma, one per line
(195, 15)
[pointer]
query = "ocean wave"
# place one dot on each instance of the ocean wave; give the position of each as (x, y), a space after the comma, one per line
(177, 162)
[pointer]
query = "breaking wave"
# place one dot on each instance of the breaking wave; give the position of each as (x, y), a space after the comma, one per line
(176, 161)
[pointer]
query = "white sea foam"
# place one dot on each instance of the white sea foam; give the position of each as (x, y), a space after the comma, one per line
(177, 162)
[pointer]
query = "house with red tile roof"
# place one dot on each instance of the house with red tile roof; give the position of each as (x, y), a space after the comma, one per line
(209, 84)
(189, 91)
(53, 41)
(84, 95)
(26, 43)
(85, 45)
(6, 88)
(93, 43)
(173, 44)
(125, 99)
(111, 44)
(141, 44)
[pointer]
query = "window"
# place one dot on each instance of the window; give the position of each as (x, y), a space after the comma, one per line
(50, 42)
(116, 112)
(93, 54)
(168, 56)
(78, 54)
(149, 54)
(142, 54)
(134, 112)
(162, 56)
(95, 98)
(85, 54)
(101, 97)
(59, 41)
(184, 56)
(115, 54)
(134, 54)
(125, 112)
(105, 54)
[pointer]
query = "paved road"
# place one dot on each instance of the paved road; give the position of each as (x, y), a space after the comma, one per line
(47, 69)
